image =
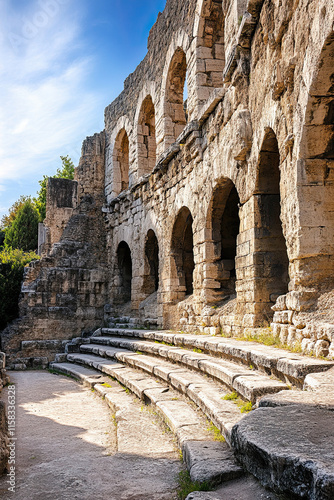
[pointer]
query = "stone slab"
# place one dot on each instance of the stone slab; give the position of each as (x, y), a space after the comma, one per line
(177, 414)
(246, 488)
(210, 461)
(252, 387)
(290, 449)
(320, 381)
(322, 399)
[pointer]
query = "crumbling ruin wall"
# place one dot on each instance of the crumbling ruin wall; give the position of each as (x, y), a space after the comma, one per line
(61, 203)
(64, 293)
(215, 213)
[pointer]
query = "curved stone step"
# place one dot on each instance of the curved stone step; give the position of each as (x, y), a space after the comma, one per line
(278, 362)
(289, 448)
(206, 460)
(206, 394)
(249, 384)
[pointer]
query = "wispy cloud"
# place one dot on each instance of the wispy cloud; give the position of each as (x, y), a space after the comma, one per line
(45, 107)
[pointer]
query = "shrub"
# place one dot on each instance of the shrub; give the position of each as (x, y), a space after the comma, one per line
(12, 264)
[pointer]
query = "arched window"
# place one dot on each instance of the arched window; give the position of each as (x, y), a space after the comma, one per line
(124, 265)
(146, 137)
(273, 267)
(175, 105)
(121, 162)
(151, 278)
(223, 219)
(182, 251)
(210, 52)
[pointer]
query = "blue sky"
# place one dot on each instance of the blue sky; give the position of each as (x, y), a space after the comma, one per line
(61, 63)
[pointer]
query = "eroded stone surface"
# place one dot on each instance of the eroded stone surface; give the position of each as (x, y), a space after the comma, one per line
(289, 448)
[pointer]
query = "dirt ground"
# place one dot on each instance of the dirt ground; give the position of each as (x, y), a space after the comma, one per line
(67, 446)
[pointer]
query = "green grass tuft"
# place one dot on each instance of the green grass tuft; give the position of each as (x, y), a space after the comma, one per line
(230, 397)
(217, 435)
(186, 485)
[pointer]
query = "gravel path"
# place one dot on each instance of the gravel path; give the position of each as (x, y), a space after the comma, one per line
(67, 446)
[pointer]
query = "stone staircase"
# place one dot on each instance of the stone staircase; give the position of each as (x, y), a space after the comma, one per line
(188, 378)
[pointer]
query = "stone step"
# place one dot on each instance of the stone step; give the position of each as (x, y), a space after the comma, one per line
(289, 448)
(206, 459)
(206, 394)
(278, 362)
(248, 383)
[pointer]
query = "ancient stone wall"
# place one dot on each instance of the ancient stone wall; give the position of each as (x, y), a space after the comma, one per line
(209, 210)
(61, 201)
(240, 162)
(64, 293)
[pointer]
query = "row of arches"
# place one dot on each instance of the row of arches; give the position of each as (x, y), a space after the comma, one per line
(175, 119)
(194, 66)
(223, 264)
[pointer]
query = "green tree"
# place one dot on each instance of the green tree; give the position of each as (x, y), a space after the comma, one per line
(12, 264)
(23, 232)
(65, 172)
(7, 220)
(2, 238)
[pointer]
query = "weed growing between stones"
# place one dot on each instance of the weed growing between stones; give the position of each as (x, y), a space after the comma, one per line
(265, 336)
(113, 418)
(230, 397)
(54, 372)
(217, 435)
(244, 406)
(186, 485)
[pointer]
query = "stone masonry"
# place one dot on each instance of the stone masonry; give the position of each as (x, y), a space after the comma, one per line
(211, 214)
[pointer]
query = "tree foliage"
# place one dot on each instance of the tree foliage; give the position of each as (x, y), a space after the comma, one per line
(65, 172)
(23, 232)
(8, 219)
(12, 264)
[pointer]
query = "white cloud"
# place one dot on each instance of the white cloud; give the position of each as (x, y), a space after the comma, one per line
(45, 106)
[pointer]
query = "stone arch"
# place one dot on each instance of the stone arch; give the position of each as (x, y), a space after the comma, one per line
(182, 253)
(173, 111)
(113, 180)
(146, 139)
(208, 32)
(175, 107)
(316, 174)
(121, 162)
(124, 273)
(270, 250)
(223, 224)
(151, 267)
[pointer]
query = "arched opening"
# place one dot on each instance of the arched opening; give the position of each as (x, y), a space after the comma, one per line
(224, 222)
(124, 263)
(146, 137)
(271, 252)
(176, 96)
(211, 36)
(182, 251)
(151, 278)
(121, 162)
(207, 72)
